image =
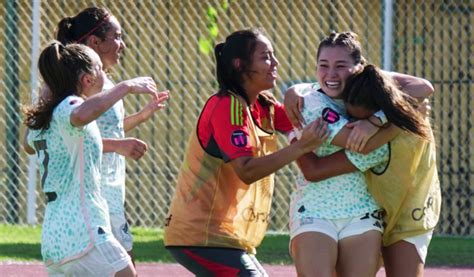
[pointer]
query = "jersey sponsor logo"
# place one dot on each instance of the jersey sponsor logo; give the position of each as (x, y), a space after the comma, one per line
(418, 213)
(251, 215)
(239, 138)
(330, 115)
(236, 112)
(168, 220)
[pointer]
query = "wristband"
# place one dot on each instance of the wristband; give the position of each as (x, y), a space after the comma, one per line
(381, 116)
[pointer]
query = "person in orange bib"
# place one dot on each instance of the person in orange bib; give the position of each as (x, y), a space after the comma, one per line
(221, 206)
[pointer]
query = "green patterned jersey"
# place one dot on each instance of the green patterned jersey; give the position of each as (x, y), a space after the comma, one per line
(110, 125)
(341, 196)
(70, 159)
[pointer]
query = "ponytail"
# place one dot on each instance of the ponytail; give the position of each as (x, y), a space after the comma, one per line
(61, 68)
(65, 33)
(373, 91)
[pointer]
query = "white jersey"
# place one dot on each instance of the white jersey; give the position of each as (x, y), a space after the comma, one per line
(113, 165)
(70, 159)
(341, 196)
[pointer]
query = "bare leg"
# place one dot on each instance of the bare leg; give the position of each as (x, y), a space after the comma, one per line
(315, 254)
(130, 253)
(402, 259)
(359, 255)
(129, 271)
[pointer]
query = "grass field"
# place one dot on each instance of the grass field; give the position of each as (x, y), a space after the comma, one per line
(22, 243)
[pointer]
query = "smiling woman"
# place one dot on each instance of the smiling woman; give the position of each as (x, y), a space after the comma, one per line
(219, 212)
(97, 28)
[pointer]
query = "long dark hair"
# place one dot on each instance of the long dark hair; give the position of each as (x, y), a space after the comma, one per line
(61, 68)
(373, 91)
(90, 21)
(238, 45)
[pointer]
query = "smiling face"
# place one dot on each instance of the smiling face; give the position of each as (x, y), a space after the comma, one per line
(335, 65)
(262, 73)
(111, 46)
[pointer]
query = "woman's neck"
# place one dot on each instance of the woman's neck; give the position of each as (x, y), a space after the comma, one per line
(252, 94)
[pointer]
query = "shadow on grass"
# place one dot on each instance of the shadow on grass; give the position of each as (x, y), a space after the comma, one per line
(274, 250)
(21, 251)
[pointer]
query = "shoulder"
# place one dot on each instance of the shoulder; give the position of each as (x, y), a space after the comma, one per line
(222, 105)
(70, 101)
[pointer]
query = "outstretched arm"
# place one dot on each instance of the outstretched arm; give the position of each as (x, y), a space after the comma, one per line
(156, 103)
(97, 104)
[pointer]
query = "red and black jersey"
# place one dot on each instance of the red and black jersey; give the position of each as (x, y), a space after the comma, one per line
(222, 126)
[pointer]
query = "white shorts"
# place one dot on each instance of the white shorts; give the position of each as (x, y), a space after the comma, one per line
(121, 231)
(104, 259)
(421, 243)
(337, 229)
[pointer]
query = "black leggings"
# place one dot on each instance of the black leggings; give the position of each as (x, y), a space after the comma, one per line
(215, 261)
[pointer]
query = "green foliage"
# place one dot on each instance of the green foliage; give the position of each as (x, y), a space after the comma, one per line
(206, 44)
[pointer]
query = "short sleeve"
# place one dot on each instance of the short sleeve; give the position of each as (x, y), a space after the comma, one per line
(282, 123)
(317, 105)
(229, 126)
(63, 112)
(365, 162)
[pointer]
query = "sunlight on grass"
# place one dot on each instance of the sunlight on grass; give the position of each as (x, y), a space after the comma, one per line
(22, 243)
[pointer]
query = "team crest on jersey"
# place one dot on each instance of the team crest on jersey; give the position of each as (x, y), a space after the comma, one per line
(239, 138)
(330, 115)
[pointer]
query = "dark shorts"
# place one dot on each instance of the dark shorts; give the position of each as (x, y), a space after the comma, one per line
(215, 261)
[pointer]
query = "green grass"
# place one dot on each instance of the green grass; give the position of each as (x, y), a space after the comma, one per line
(21, 243)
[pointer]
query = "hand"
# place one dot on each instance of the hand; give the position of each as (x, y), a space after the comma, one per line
(314, 135)
(425, 107)
(131, 148)
(294, 104)
(362, 131)
(141, 85)
(156, 103)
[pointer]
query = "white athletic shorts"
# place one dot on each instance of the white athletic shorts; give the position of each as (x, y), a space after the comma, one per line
(104, 259)
(421, 243)
(121, 231)
(337, 229)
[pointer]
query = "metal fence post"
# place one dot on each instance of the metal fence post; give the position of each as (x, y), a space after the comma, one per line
(12, 109)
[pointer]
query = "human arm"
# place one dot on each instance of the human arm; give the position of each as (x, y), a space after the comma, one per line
(362, 130)
(294, 103)
(316, 168)
(383, 136)
(414, 86)
(251, 169)
(28, 149)
(129, 147)
(97, 104)
(155, 104)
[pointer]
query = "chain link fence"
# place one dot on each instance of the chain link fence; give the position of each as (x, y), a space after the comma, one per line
(432, 39)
